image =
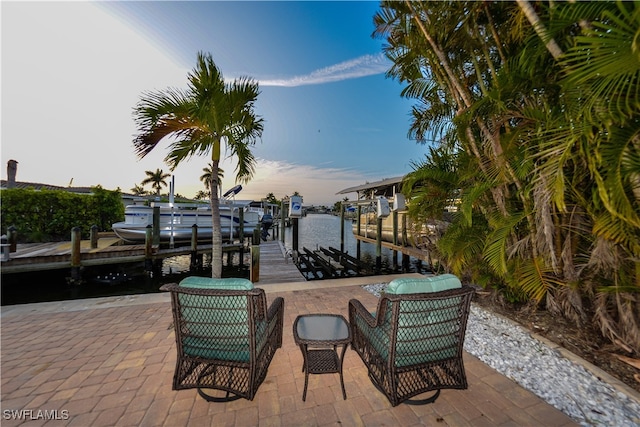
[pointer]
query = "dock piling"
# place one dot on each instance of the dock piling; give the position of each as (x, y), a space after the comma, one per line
(156, 225)
(379, 245)
(254, 273)
(241, 235)
(94, 236)
(358, 229)
(148, 248)
(341, 227)
(196, 261)
(12, 235)
(294, 237)
(76, 238)
(395, 239)
(405, 242)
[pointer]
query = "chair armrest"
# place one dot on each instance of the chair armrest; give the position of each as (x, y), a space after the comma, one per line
(169, 287)
(270, 329)
(357, 309)
(276, 308)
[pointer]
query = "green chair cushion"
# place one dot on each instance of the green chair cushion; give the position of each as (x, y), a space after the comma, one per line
(212, 348)
(421, 285)
(423, 326)
(231, 283)
(216, 326)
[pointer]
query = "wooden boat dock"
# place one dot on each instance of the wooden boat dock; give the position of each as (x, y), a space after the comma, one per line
(109, 250)
(276, 266)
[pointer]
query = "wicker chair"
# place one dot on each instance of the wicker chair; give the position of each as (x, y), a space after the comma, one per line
(414, 343)
(225, 336)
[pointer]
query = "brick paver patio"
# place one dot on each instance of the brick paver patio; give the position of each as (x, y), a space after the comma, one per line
(109, 364)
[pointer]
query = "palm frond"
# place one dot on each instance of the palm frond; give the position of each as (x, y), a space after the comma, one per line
(534, 277)
(606, 59)
(497, 242)
(461, 246)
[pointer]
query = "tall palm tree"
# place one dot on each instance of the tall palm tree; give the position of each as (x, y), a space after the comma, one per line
(157, 179)
(201, 119)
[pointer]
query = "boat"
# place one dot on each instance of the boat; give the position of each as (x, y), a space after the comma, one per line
(177, 220)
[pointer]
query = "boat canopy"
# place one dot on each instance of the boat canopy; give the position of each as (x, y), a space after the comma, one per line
(386, 187)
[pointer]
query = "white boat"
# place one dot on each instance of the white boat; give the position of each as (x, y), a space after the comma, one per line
(177, 220)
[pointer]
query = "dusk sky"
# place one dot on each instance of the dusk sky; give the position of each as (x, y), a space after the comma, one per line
(73, 71)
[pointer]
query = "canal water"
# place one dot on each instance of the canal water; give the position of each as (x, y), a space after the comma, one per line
(314, 230)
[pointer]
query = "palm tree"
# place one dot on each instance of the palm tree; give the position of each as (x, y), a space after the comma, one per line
(202, 119)
(138, 190)
(271, 198)
(206, 177)
(157, 179)
(203, 195)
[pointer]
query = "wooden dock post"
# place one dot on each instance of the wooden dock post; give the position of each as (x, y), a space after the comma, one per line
(342, 232)
(254, 272)
(241, 235)
(94, 236)
(283, 212)
(341, 227)
(195, 258)
(395, 239)
(148, 247)
(12, 236)
(156, 225)
(76, 238)
(294, 237)
(405, 242)
(378, 245)
(358, 230)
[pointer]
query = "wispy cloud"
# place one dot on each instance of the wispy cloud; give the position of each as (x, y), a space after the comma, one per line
(362, 66)
(318, 184)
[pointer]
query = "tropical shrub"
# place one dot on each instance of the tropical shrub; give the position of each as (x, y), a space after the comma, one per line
(532, 110)
(51, 214)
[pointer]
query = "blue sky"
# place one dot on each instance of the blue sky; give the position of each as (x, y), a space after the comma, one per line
(73, 71)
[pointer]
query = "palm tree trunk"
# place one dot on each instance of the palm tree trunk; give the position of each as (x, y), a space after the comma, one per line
(540, 29)
(216, 234)
(465, 99)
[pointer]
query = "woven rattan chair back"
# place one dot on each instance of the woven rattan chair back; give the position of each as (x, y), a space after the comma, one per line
(414, 342)
(225, 339)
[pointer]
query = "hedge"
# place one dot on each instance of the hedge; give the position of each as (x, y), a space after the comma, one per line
(49, 215)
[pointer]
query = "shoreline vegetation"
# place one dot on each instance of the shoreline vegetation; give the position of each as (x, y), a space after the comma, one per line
(530, 111)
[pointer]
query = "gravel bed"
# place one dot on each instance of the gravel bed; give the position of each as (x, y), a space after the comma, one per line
(511, 350)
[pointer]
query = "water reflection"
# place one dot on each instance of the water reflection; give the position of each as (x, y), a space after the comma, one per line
(317, 230)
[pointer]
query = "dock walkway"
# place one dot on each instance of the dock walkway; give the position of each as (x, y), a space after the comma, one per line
(276, 266)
